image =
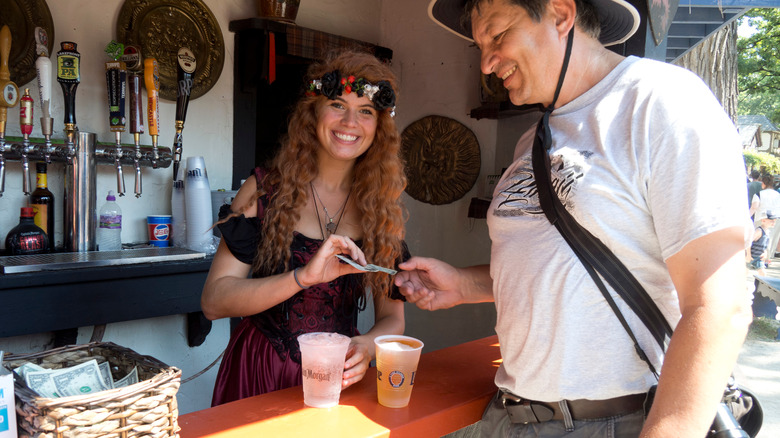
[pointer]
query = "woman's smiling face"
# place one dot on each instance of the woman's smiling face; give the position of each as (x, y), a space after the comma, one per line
(346, 126)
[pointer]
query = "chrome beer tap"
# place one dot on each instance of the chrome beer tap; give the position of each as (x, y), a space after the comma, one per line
(43, 70)
(186, 64)
(8, 99)
(26, 125)
(116, 78)
(132, 58)
(152, 82)
(69, 76)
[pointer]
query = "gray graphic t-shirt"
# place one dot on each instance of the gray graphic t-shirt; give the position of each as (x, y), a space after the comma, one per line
(646, 161)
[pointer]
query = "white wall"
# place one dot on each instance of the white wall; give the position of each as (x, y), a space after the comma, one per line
(439, 75)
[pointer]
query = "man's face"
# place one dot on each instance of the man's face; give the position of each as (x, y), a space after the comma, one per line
(525, 54)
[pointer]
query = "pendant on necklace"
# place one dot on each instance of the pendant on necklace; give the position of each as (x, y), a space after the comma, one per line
(330, 227)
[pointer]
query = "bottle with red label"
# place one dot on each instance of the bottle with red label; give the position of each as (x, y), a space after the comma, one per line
(26, 238)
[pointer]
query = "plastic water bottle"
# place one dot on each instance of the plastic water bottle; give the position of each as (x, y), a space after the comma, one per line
(109, 232)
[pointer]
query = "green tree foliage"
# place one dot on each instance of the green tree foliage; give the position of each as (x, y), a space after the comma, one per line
(761, 161)
(759, 65)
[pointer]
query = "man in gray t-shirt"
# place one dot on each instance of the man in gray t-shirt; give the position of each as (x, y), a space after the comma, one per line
(643, 156)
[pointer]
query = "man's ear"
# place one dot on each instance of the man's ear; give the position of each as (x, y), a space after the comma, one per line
(565, 12)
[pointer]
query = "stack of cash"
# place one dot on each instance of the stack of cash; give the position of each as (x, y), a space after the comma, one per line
(368, 268)
(85, 378)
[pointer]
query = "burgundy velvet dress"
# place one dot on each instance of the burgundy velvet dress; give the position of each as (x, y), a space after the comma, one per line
(262, 354)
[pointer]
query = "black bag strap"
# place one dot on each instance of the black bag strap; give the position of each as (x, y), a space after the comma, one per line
(594, 255)
(597, 258)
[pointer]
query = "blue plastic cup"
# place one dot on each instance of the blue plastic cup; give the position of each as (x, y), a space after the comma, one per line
(159, 229)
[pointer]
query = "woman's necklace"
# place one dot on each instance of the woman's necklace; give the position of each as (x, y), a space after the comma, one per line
(330, 226)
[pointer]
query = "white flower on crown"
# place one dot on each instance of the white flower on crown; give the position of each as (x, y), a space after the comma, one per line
(370, 90)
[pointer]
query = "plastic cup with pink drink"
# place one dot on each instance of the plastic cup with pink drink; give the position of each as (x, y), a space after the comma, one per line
(322, 366)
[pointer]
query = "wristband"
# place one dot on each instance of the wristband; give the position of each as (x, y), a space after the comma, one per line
(295, 276)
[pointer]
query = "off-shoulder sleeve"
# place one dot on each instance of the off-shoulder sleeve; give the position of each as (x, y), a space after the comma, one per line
(395, 293)
(241, 234)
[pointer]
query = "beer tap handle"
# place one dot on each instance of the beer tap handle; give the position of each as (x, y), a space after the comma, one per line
(116, 79)
(186, 64)
(69, 76)
(43, 70)
(26, 124)
(132, 58)
(152, 82)
(9, 95)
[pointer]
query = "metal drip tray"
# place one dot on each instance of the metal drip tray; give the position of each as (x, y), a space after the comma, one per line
(91, 259)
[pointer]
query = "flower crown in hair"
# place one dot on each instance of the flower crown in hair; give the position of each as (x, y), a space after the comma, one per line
(332, 85)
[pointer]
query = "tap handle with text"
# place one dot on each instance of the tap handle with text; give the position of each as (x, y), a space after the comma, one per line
(69, 77)
(152, 82)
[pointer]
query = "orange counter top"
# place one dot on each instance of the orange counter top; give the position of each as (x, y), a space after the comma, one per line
(452, 387)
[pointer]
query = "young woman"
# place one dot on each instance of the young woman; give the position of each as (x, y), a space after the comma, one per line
(334, 188)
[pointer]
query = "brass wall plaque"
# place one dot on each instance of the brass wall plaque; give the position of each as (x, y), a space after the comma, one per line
(162, 27)
(442, 159)
(22, 17)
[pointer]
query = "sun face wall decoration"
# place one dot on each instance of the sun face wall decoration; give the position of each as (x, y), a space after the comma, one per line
(442, 159)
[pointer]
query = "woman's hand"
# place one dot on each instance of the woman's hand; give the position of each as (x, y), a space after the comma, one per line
(356, 365)
(324, 266)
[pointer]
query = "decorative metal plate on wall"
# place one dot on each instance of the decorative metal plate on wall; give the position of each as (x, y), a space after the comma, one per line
(22, 17)
(161, 27)
(442, 159)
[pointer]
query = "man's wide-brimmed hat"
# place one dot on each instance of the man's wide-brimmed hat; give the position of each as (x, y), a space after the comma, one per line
(619, 20)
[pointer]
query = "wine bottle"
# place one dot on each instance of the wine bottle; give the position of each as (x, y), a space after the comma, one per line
(42, 202)
(26, 238)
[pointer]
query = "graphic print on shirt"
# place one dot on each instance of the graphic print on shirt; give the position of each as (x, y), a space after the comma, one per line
(519, 195)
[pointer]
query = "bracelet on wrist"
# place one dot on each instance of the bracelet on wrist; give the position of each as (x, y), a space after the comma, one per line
(295, 276)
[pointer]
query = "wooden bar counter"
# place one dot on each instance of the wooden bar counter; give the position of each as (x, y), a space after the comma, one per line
(452, 387)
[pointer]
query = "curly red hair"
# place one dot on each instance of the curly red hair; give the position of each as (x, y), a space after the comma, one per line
(378, 182)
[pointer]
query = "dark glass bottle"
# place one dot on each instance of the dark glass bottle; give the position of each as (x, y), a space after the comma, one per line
(26, 238)
(42, 201)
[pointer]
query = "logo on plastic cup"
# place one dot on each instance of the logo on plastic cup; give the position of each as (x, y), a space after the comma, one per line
(396, 379)
(161, 232)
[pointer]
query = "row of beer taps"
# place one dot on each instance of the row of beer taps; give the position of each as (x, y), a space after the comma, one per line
(123, 79)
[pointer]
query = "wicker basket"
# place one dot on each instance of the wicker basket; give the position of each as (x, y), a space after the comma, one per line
(145, 409)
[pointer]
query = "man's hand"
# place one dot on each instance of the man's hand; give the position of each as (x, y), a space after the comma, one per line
(432, 284)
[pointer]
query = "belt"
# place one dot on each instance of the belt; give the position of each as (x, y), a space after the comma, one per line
(525, 411)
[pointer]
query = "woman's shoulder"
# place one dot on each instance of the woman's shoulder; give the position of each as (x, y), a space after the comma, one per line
(246, 197)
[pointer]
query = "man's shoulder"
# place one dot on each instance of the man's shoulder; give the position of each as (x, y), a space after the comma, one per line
(650, 70)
